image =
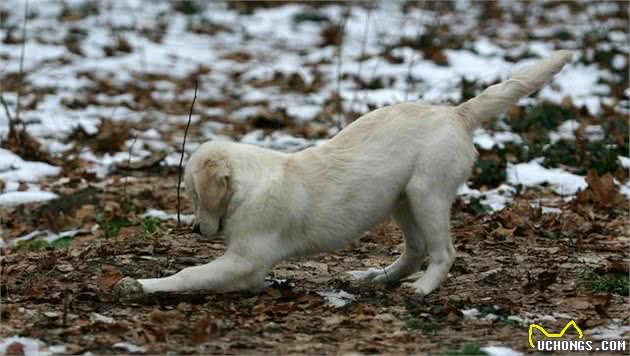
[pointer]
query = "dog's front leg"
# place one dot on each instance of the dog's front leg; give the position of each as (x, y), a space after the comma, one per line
(225, 274)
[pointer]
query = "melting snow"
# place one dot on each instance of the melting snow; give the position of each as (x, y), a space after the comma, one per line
(614, 330)
(163, 215)
(16, 198)
(31, 347)
(500, 351)
(533, 173)
(337, 299)
(129, 347)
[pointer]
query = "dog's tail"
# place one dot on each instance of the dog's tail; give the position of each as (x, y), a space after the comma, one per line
(497, 98)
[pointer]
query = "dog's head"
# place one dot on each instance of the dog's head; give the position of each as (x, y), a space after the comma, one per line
(208, 182)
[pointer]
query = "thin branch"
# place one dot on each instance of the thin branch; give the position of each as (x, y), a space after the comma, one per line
(366, 31)
(409, 75)
(6, 110)
(181, 159)
(342, 27)
(21, 72)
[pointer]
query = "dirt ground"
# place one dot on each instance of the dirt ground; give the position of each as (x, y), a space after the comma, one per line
(512, 266)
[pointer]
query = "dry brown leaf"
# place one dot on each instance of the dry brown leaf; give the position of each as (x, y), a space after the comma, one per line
(15, 348)
(200, 330)
(111, 276)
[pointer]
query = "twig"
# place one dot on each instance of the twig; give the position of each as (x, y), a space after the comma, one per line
(135, 138)
(366, 30)
(181, 159)
(342, 26)
(409, 77)
(6, 110)
(21, 70)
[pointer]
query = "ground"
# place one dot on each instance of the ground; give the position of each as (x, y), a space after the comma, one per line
(89, 172)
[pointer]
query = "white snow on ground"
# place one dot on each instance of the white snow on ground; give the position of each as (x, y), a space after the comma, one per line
(533, 173)
(470, 313)
(45, 235)
(615, 330)
(496, 199)
(625, 161)
(14, 170)
(16, 198)
(487, 141)
(31, 347)
(565, 131)
(102, 318)
(163, 215)
(500, 351)
(337, 299)
(129, 347)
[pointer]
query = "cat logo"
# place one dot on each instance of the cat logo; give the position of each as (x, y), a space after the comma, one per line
(550, 335)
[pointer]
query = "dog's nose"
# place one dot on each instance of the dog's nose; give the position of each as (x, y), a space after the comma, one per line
(196, 229)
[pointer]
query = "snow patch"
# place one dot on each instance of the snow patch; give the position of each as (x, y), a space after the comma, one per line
(12, 199)
(533, 173)
(31, 347)
(129, 347)
(163, 215)
(500, 351)
(337, 299)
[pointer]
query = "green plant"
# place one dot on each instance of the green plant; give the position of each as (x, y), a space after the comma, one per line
(425, 325)
(310, 15)
(32, 245)
(475, 206)
(63, 242)
(488, 172)
(541, 118)
(151, 224)
(187, 7)
(41, 245)
(111, 227)
(612, 282)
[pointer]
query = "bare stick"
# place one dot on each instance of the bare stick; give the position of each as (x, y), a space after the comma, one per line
(366, 30)
(6, 110)
(342, 26)
(21, 73)
(181, 159)
(409, 77)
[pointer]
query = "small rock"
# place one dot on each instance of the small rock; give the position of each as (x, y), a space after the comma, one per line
(128, 290)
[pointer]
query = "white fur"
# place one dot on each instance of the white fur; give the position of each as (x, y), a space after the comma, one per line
(405, 160)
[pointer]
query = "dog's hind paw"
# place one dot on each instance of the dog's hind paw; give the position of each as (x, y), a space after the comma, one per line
(128, 290)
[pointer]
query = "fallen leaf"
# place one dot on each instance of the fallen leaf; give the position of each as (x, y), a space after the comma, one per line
(111, 276)
(15, 348)
(200, 330)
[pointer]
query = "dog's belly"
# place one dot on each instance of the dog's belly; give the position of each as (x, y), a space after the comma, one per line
(341, 215)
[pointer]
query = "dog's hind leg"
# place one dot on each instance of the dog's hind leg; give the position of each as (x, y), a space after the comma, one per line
(411, 259)
(431, 210)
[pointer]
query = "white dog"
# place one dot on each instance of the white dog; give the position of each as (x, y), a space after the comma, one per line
(404, 160)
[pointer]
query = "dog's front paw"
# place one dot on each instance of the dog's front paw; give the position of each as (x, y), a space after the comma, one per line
(128, 290)
(368, 275)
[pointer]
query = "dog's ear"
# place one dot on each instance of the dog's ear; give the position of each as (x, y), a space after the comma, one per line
(212, 183)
